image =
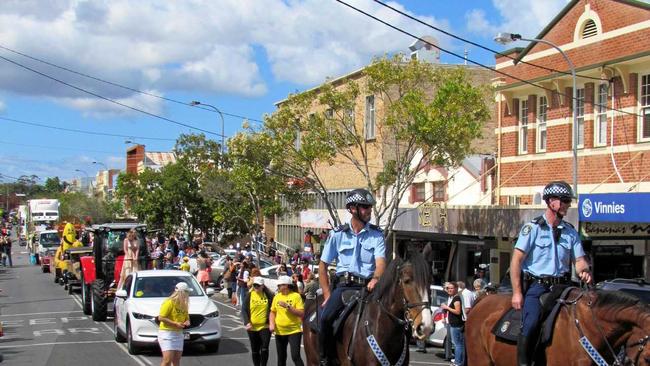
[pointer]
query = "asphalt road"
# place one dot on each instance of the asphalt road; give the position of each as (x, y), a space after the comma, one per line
(43, 325)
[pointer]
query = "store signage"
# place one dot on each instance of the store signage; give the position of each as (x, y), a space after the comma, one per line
(615, 207)
(614, 229)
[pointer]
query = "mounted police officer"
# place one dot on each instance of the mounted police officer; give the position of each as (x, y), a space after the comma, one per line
(359, 252)
(542, 257)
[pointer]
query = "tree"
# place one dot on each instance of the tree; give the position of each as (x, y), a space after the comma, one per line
(431, 114)
(76, 206)
(53, 185)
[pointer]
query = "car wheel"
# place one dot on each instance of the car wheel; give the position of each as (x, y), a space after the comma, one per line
(70, 289)
(212, 347)
(100, 301)
(133, 348)
(119, 338)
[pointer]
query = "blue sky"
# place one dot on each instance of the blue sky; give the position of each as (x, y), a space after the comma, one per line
(240, 56)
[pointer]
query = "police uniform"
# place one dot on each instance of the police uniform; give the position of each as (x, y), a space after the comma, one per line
(355, 255)
(548, 258)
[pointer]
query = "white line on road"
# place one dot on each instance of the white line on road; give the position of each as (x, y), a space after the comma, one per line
(53, 344)
(47, 313)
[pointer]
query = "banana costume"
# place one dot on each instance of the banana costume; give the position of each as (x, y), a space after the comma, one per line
(68, 240)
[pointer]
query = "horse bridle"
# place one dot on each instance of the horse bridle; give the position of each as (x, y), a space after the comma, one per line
(407, 320)
(617, 360)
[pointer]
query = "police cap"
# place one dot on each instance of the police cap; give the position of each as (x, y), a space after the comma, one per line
(359, 197)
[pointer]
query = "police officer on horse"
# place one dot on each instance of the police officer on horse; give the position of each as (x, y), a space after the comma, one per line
(359, 251)
(542, 257)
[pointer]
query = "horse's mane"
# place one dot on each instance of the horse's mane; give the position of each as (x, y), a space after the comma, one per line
(390, 277)
(614, 300)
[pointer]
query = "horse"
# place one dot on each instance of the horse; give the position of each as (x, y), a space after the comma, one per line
(395, 310)
(610, 320)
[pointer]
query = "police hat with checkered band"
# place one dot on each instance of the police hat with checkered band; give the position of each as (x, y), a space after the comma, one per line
(359, 197)
(558, 189)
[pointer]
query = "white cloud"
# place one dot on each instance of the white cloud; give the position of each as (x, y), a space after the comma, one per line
(526, 17)
(100, 108)
(203, 46)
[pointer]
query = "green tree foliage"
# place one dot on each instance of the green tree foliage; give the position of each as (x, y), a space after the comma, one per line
(76, 207)
(54, 185)
(430, 114)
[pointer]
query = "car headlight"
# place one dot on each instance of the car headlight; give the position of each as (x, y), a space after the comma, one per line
(213, 314)
(142, 316)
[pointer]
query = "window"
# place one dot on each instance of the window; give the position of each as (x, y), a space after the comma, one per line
(514, 200)
(523, 127)
(644, 132)
(369, 125)
(580, 116)
(419, 192)
(541, 124)
(439, 191)
(600, 129)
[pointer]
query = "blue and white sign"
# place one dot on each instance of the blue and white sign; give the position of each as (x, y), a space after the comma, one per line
(615, 207)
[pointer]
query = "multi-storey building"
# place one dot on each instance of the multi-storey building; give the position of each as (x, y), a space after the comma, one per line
(608, 41)
(138, 159)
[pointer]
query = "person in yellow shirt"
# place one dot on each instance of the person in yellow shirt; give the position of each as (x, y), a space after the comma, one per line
(285, 319)
(255, 312)
(185, 266)
(174, 317)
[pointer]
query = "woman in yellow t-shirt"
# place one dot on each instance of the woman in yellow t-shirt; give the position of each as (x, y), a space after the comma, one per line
(285, 320)
(174, 317)
(255, 311)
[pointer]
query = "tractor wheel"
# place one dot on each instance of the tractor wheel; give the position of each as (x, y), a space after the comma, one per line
(100, 301)
(57, 275)
(86, 297)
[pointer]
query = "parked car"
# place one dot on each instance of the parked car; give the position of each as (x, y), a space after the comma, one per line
(438, 297)
(270, 275)
(216, 275)
(138, 304)
(637, 287)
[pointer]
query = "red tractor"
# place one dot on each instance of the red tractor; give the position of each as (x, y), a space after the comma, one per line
(101, 271)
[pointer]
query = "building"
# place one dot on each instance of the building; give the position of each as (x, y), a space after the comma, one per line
(608, 41)
(105, 182)
(137, 159)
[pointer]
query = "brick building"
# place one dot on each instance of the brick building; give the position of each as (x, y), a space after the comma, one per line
(608, 41)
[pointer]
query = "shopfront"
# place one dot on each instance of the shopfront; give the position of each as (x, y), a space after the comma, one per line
(615, 228)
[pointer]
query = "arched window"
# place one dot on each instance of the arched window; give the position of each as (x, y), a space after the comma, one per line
(589, 29)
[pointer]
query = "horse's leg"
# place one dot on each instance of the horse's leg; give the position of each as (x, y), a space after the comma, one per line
(310, 339)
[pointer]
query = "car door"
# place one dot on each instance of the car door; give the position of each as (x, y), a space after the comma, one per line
(121, 305)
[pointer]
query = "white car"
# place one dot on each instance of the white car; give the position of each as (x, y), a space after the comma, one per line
(270, 275)
(438, 297)
(138, 304)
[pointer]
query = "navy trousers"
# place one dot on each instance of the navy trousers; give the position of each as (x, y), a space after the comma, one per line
(532, 309)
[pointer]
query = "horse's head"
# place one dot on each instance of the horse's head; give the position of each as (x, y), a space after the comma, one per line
(413, 278)
(637, 349)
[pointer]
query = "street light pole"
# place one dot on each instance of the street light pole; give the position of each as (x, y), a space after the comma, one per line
(223, 135)
(505, 38)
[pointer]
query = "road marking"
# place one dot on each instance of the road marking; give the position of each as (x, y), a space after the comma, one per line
(49, 312)
(53, 344)
(140, 360)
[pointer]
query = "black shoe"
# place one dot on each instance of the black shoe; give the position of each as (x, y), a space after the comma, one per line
(523, 356)
(421, 350)
(324, 362)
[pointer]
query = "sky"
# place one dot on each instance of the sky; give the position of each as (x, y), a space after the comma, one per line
(241, 56)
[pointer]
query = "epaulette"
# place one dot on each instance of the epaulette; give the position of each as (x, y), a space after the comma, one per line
(539, 220)
(344, 227)
(373, 226)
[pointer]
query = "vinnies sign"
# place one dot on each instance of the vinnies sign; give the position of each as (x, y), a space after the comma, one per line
(615, 207)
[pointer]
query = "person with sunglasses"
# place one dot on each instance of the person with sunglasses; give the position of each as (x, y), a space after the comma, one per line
(359, 251)
(543, 254)
(255, 313)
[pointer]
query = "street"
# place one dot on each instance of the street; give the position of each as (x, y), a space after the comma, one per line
(43, 325)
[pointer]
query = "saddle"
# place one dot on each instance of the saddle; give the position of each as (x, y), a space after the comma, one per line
(350, 299)
(508, 327)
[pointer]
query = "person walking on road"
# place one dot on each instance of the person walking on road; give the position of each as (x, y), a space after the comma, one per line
(255, 312)
(174, 317)
(285, 319)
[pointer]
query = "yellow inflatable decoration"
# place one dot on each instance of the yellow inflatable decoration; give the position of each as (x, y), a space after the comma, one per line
(68, 240)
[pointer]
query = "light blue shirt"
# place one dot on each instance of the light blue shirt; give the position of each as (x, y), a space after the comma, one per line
(354, 253)
(545, 257)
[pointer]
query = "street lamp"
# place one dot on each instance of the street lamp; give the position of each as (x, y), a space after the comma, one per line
(505, 38)
(196, 102)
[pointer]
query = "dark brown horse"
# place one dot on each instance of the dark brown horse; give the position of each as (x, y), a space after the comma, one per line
(399, 302)
(609, 320)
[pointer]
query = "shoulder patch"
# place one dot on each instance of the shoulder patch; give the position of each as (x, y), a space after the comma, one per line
(539, 220)
(344, 227)
(373, 226)
(526, 229)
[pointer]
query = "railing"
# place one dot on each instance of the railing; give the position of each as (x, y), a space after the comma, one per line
(280, 248)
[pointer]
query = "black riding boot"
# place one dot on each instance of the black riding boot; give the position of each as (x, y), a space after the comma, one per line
(523, 355)
(323, 349)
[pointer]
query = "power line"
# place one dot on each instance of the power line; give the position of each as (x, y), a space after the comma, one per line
(124, 86)
(85, 131)
(476, 62)
(477, 44)
(109, 99)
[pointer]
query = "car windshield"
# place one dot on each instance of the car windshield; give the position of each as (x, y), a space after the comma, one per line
(115, 242)
(163, 286)
(49, 240)
(439, 297)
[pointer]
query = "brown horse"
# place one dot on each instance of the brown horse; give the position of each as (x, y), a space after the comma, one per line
(399, 302)
(610, 320)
